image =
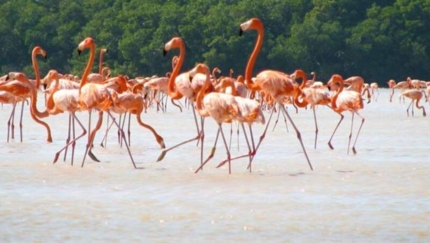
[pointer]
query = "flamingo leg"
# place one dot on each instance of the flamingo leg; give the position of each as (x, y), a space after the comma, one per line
(57, 154)
(74, 138)
(128, 131)
(10, 125)
(258, 145)
(211, 155)
(350, 133)
(299, 137)
(20, 121)
(106, 134)
(285, 121)
(226, 147)
(198, 137)
(316, 127)
(407, 110)
(358, 133)
(337, 126)
(68, 136)
(125, 139)
(247, 143)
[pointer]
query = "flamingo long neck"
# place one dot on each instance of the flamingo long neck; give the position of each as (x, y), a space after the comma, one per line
(253, 57)
(36, 68)
(201, 95)
(213, 73)
(175, 94)
(230, 83)
(50, 102)
(334, 99)
(299, 91)
(88, 67)
(33, 105)
(101, 62)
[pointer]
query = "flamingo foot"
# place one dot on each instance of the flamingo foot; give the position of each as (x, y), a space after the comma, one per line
(92, 156)
(161, 157)
(353, 150)
(57, 155)
(331, 146)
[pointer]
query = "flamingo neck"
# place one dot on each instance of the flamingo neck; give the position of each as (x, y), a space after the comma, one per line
(88, 67)
(33, 104)
(201, 94)
(36, 68)
(101, 62)
(334, 99)
(299, 90)
(174, 93)
(253, 57)
(230, 83)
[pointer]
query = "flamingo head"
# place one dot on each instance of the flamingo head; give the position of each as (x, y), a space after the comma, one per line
(240, 79)
(199, 68)
(37, 50)
(175, 42)
(53, 75)
(253, 23)
(16, 76)
(336, 78)
(86, 43)
(300, 74)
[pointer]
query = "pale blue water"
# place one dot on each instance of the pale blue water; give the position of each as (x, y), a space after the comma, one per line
(379, 195)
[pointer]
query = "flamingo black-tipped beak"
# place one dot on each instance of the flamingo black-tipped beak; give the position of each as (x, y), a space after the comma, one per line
(7, 77)
(240, 31)
(46, 56)
(79, 52)
(106, 50)
(164, 52)
(44, 86)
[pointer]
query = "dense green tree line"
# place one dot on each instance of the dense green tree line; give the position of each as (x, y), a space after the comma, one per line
(377, 40)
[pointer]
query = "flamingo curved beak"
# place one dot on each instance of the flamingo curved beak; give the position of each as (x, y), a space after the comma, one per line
(240, 32)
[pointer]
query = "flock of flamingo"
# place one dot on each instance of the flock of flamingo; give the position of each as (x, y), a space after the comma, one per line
(224, 99)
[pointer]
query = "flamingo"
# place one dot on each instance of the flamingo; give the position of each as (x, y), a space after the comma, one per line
(7, 98)
(275, 83)
(375, 88)
(249, 112)
(414, 95)
(20, 86)
(183, 88)
(98, 77)
(221, 107)
(314, 84)
(96, 96)
(133, 103)
(345, 100)
(59, 101)
(23, 88)
(312, 96)
(400, 85)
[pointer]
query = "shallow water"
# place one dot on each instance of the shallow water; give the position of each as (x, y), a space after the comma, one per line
(381, 194)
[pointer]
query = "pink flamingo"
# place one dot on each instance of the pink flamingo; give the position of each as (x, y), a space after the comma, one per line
(276, 84)
(414, 95)
(312, 96)
(345, 100)
(96, 96)
(180, 86)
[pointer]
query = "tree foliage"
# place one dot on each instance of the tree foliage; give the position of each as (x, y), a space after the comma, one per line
(377, 40)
